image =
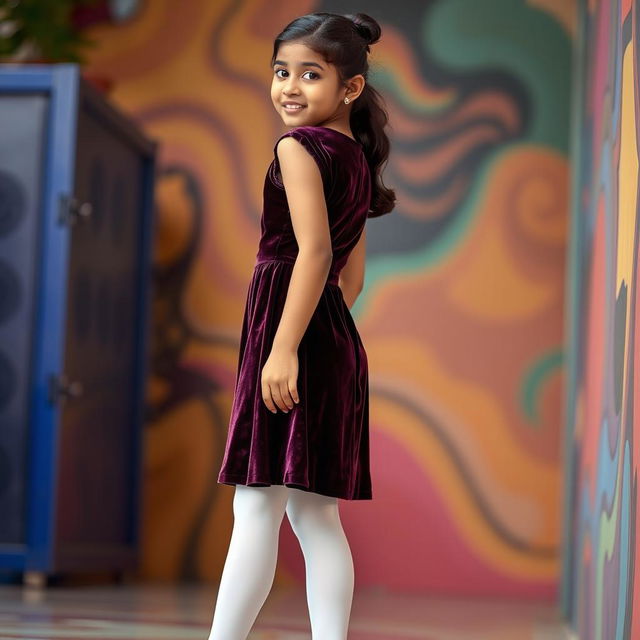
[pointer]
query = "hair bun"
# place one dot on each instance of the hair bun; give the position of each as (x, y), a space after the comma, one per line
(366, 26)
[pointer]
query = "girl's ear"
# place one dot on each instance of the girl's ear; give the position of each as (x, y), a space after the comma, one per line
(355, 86)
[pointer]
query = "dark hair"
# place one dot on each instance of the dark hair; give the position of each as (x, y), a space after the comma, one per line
(343, 40)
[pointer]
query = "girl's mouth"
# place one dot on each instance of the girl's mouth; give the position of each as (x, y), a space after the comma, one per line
(289, 108)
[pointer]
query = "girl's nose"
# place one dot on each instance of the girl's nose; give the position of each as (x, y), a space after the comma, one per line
(290, 86)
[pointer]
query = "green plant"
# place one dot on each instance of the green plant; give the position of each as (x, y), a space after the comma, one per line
(41, 29)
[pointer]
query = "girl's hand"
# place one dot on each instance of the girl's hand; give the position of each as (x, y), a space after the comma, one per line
(280, 380)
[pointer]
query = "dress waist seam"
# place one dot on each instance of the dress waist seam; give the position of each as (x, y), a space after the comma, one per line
(331, 279)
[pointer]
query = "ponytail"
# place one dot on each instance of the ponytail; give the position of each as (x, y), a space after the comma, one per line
(368, 120)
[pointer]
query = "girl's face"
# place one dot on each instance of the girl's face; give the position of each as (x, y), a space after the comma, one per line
(302, 76)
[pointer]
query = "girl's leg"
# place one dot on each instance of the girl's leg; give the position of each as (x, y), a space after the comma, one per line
(250, 566)
(316, 522)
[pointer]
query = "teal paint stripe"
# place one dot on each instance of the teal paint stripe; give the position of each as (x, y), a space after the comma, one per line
(533, 381)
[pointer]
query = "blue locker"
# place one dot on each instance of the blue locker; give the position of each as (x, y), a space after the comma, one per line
(76, 207)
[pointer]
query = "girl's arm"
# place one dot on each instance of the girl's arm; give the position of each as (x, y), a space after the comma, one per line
(351, 278)
(305, 195)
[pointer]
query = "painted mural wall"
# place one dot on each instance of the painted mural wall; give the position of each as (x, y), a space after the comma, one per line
(462, 311)
(601, 583)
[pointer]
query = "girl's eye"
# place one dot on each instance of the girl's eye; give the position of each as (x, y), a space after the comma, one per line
(311, 72)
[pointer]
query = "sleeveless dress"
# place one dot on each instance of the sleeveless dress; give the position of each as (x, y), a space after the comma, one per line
(322, 444)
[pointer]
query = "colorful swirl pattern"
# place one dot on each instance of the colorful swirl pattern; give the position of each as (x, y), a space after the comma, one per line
(462, 312)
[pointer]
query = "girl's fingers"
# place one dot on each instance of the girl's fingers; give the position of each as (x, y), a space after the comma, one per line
(277, 397)
(283, 396)
(267, 399)
(286, 396)
(293, 391)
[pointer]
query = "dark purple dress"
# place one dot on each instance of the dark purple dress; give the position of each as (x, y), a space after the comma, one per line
(322, 444)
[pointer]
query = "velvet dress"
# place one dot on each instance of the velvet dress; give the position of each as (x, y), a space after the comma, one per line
(322, 444)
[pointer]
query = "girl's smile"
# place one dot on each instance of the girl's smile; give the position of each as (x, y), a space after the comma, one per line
(292, 107)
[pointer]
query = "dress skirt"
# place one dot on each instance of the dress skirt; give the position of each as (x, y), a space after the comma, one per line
(322, 444)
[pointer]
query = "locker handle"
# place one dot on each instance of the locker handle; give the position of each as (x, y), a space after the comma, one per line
(72, 210)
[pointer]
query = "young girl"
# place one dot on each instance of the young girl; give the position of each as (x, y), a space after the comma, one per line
(299, 430)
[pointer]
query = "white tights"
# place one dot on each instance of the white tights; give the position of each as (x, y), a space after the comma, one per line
(250, 565)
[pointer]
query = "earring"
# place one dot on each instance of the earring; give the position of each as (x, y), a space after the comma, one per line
(346, 100)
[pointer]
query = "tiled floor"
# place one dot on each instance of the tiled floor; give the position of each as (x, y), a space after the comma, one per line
(184, 613)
